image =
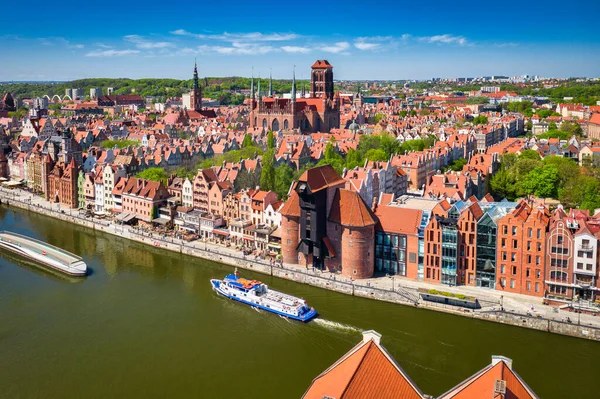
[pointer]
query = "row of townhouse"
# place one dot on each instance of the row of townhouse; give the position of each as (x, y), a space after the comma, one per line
(514, 247)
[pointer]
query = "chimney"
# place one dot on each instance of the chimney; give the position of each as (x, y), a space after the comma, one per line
(371, 335)
(374, 205)
(497, 359)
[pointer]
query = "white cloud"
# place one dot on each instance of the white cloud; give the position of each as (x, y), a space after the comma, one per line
(238, 48)
(295, 49)
(58, 41)
(446, 39)
(181, 32)
(337, 48)
(231, 37)
(111, 53)
(366, 46)
(143, 43)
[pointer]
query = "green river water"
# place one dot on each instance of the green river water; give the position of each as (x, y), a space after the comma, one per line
(146, 324)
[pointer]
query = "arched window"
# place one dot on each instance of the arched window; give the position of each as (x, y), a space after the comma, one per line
(306, 124)
(255, 121)
(275, 125)
(285, 125)
(264, 124)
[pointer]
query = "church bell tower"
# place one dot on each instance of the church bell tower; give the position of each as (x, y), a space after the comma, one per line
(196, 93)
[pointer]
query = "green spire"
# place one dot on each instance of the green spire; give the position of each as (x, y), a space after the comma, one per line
(252, 85)
(294, 85)
(259, 95)
(196, 85)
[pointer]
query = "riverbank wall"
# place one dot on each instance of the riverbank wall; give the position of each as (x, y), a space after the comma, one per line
(399, 295)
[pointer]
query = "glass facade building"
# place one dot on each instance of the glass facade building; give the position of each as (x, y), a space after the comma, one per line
(486, 252)
(449, 254)
(390, 253)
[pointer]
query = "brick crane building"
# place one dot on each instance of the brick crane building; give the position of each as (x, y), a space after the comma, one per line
(326, 226)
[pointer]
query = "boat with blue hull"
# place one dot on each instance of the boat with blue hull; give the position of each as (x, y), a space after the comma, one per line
(259, 296)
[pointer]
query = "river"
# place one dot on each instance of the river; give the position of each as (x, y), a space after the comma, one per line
(145, 323)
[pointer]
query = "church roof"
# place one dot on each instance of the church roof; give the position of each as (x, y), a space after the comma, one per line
(321, 64)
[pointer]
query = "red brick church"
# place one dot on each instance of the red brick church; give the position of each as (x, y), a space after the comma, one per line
(318, 113)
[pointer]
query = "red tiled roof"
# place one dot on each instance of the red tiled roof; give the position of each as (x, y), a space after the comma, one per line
(348, 209)
(366, 372)
(321, 177)
(394, 219)
(321, 64)
(483, 383)
(291, 206)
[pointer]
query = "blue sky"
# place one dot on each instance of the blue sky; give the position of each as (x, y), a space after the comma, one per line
(363, 40)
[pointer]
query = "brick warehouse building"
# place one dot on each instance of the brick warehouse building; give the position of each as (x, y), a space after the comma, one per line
(521, 249)
(326, 226)
(318, 113)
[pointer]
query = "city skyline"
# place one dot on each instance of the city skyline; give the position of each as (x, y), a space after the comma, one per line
(399, 42)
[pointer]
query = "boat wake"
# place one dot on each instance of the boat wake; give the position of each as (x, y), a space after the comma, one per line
(332, 325)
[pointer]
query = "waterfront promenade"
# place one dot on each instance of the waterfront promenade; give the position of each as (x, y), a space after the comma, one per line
(511, 309)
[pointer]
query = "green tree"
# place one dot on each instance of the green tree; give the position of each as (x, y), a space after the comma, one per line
(267, 177)
(389, 145)
(353, 159)
(270, 140)
(571, 128)
(284, 176)
(542, 182)
(502, 185)
(530, 154)
(376, 154)
(478, 100)
(480, 120)
(457, 165)
(154, 174)
(119, 143)
(247, 142)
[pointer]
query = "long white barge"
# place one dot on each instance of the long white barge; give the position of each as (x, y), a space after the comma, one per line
(43, 254)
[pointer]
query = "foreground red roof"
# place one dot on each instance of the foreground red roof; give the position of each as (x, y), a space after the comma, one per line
(366, 372)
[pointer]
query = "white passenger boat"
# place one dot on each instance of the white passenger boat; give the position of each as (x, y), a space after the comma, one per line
(259, 296)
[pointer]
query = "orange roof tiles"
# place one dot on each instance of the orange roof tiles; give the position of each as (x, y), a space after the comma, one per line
(483, 384)
(321, 177)
(366, 372)
(348, 209)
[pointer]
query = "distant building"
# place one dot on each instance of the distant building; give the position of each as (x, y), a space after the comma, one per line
(318, 113)
(111, 101)
(95, 92)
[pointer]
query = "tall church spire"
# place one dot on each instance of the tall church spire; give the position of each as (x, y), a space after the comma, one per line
(294, 85)
(259, 95)
(252, 85)
(270, 83)
(196, 86)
